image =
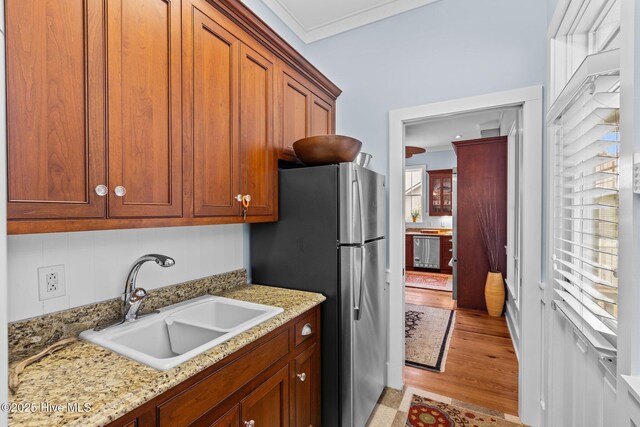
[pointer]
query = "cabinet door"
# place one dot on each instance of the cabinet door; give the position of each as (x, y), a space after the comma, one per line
(435, 197)
(55, 108)
(230, 419)
(321, 117)
(447, 191)
(145, 149)
(257, 160)
(215, 114)
(446, 253)
(268, 405)
(307, 388)
(408, 252)
(296, 117)
(440, 192)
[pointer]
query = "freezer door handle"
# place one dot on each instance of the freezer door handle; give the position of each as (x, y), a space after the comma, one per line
(358, 304)
(360, 203)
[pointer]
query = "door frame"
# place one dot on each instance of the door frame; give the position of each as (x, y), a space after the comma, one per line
(4, 356)
(531, 100)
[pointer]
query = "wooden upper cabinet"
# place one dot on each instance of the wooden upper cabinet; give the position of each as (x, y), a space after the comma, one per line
(212, 122)
(302, 112)
(440, 192)
(55, 128)
(150, 113)
(268, 405)
(296, 115)
(257, 160)
(144, 108)
(321, 117)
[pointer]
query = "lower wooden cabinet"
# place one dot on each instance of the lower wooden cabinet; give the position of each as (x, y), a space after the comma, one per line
(273, 382)
(230, 419)
(446, 253)
(408, 252)
(268, 405)
(306, 387)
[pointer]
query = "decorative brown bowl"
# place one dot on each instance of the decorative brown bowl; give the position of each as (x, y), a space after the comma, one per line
(326, 149)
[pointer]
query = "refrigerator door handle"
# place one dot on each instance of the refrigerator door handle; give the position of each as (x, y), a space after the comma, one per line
(363, 263)
(360, 204)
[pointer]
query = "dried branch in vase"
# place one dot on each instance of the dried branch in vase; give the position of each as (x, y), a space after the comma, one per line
(487, 213)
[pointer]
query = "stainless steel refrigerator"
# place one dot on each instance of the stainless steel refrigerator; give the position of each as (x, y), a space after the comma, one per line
(330, 238)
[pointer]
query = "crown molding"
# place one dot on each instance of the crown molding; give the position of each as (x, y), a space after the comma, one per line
(344, 23)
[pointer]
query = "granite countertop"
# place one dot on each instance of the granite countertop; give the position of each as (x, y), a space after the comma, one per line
(113, 385)
(417, 232)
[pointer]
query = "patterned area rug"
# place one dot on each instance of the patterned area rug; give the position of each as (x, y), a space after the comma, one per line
(436, 281)
(427, 336)
(394, 406)
(425, 412)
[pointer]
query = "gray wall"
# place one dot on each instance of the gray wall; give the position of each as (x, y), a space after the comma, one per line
(446, 50)
(435, 160)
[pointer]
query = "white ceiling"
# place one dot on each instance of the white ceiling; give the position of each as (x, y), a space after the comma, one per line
(313, 20)
(437, 134)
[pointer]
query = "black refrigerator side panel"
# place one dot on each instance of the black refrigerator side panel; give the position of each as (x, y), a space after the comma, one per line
(300, 252)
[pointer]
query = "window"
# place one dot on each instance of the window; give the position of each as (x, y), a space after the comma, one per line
(587, 27)
(413, 194)
(585, 126)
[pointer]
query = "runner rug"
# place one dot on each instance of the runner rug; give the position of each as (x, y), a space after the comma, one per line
(427, 336)
(438, 282)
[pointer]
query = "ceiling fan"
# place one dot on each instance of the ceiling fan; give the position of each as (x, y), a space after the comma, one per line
(410, 151)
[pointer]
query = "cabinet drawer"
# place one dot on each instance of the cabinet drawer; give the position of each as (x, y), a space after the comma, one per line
(203, 396)
(306, 328)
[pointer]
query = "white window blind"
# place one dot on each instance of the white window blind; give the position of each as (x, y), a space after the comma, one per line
(585, 125)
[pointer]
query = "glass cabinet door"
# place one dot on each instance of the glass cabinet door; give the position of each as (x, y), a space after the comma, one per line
(436, 195)
(446, 195)
(440, 192)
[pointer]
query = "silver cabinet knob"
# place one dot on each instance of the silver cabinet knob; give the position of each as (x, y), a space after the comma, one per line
(120, 191)
(238, 197)
(302, 376)
(250, 423)
(306, 330)
(247, 197)
(102, 190)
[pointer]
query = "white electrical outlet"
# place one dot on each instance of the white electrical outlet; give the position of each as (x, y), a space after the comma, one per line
(51, 282)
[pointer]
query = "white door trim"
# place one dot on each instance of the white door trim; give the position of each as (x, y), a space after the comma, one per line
(530, 361)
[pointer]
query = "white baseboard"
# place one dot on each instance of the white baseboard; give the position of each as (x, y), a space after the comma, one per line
(512, 333)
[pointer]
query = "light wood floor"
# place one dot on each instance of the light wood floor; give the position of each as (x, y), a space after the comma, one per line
(481, 368)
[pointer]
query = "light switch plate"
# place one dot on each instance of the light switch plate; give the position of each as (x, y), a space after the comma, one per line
(51, 282)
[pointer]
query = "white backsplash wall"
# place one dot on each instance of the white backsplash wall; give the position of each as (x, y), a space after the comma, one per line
(432, 222)
(97, 262)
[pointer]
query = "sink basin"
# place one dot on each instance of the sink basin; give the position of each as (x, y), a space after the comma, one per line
(182, 331)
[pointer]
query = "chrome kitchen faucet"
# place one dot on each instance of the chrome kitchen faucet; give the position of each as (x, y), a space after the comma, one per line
(133, 296)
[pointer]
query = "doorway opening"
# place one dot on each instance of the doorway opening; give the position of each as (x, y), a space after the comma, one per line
(459, 195)
(527, 325)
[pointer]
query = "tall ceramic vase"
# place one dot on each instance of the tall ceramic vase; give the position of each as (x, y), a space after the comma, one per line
(494, 293)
